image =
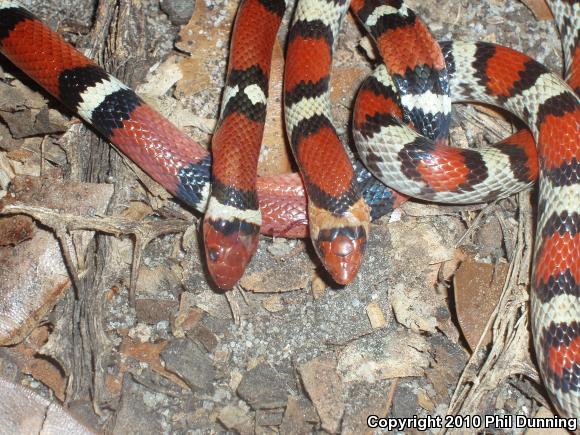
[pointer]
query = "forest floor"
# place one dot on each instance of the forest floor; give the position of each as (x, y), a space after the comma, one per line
(287, 351)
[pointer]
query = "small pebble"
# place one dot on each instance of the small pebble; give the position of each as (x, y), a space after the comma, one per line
(179, 12)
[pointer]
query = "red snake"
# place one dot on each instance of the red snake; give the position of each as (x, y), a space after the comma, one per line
(417, 166)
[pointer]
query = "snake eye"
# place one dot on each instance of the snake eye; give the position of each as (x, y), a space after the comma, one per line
(213, 254)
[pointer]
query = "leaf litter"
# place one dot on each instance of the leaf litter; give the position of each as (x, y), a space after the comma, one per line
(400, 335)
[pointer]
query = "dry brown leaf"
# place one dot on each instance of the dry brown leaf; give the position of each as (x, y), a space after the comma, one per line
(539, 8)
(149, 353)
(345, 80)
(274, 154)
(27, 358)
(324, 386)
(33, 276)
(478, 288)
(205, 44)
(195, 76)
(196, 37)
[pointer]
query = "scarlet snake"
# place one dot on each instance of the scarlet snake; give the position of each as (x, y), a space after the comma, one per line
(500, 76)
(530, 88)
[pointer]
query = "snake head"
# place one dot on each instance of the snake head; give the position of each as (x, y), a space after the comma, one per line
(341, 250)
(340, 239)
(229, 247)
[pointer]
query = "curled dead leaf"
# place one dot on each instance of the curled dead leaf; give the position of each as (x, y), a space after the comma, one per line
(539, 8)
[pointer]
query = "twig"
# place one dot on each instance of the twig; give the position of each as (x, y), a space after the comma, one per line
(475, 224)
(63, 223)
(390, 396)
(508, 322)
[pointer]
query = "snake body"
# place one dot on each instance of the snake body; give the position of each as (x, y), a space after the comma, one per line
(339, 217)
(425, 168)
(232, 220)
(419, 166)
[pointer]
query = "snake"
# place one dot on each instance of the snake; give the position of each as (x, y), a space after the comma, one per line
(333, 193)
(182, 166)
(429, 169)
